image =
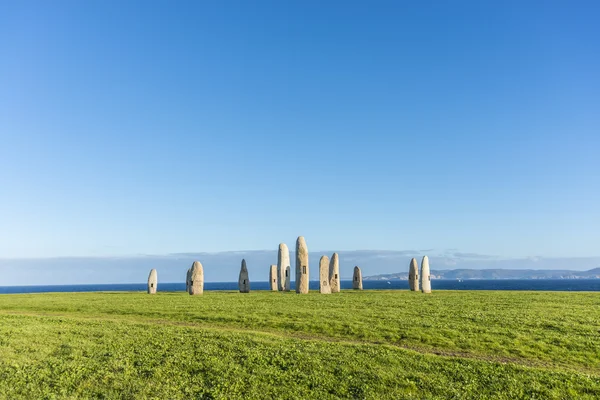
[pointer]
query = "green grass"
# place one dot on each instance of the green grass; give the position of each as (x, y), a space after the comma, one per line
(371, 344)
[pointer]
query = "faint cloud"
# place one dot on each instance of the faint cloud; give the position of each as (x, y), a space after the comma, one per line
(473, 255)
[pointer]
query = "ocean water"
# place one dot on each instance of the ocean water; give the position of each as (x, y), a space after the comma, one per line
(568, 285)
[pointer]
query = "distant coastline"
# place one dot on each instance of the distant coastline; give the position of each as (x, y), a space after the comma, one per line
(468, 274)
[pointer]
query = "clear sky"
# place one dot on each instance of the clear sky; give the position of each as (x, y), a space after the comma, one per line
(158, 127)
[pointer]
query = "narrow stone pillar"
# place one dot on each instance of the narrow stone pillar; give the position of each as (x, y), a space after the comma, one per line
(324, 287)
(413, 275)
(334, 273)
(357, 279)
(152, 282)
(283, 268)
(273, 277)
(196, 284)
(188, 276)
(288, 279)
(425, 275)
(302, 272)
(244, 281)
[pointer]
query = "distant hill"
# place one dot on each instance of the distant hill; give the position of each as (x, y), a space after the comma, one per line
(496, 274)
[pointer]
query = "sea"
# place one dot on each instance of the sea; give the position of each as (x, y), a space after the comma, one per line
(562, 285)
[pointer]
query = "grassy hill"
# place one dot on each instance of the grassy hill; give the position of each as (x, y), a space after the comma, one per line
(371, 344)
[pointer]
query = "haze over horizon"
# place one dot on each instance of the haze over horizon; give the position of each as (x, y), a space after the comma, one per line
(156, 128)
(225, 266)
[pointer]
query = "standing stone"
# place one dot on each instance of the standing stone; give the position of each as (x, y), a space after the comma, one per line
(152, 282)
(324, 287)
(413, 275)
(244, 281)
(425, 276)
(288, 279)
(357, 279)
(188, 276)
(273, 277)
(283, 268)
(196, 285)
(301, 266)
(334, 273)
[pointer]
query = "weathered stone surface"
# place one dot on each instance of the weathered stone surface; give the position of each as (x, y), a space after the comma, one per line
(244, 281)
(196, 285)
(273, 277)
(324, 287)
(425, 275)
(152, 282)
(413, 275)
(288, 279)
(334, 273)
(283, 268)
(302, 271)
(357, 279)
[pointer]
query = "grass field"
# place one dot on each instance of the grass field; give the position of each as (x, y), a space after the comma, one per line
(371, 344)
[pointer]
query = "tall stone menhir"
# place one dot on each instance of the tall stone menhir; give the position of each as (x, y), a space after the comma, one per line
(324, 287)
(413, 275)
(273, 277)
(334, 273)
(196, 279)
(425, 276)
(244, 281)
(301, 266)
(152, 282)
(357, 279)
(283, 268)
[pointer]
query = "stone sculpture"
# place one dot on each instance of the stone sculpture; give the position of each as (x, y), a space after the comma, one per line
(334, 273)
(244, 281)
(273, 277)
(283, 268)
(425, 275)
(152, 282)
(357, 279)
(413, 275)
(288, 279)
(196, 281)
(302, 271)
(324, 287)
(188, 275)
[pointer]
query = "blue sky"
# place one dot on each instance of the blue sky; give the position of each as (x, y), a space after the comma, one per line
(133, 128)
